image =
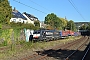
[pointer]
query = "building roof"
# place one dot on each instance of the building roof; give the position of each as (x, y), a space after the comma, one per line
(29, 15)
(17, 14)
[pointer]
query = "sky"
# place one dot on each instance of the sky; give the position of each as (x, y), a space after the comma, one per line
(41, 8)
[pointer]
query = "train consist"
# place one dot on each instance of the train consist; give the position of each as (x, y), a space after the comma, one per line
(52, 34)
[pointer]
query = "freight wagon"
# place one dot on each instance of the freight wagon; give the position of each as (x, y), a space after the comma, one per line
(63, 34)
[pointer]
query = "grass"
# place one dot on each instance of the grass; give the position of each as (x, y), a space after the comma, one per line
(23, 47)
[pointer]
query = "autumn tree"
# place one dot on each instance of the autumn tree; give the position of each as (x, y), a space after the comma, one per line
(64, 23)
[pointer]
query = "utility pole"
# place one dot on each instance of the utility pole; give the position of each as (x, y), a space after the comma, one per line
(65, 27)
(71, 26)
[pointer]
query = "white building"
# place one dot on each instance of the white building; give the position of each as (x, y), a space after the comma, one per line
(30, 18)
(23, 18)
(18, 17)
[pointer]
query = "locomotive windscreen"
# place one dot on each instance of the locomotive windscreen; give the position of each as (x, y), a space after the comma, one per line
(36, 32)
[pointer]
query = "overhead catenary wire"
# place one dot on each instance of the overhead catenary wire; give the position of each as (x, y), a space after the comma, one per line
(75, 6)
(72, 3)
(29, 6)
(40, 5)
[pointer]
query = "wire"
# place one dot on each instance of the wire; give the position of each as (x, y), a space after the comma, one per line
(72, 3)
(29, 6)
(39, 5)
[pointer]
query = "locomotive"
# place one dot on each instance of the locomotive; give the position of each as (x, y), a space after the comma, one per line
(46, 35)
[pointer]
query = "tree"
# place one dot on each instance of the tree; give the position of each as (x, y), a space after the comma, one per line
(37, 23)
(64, 23)
(5, 11)
(83, 27)
(71, 25)
(53, 21)
(49, 19)
(88, 27)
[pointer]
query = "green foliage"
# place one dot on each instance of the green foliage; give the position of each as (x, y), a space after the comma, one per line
(0, 32)
(6, 36)
(28, 26)
(49, 19)
(16, 25)
(83, 27)
(71, 25)
(5, 11)
(37, 23)
(5, 43)
(88, 27)
(21, 25)
(9, 36)
(20, 42)
(53, 21)
(0, 26)
(16, 34)
(63, 23)
(12, 47)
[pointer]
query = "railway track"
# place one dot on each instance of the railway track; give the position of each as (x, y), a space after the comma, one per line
(74, 52)
(46, 54)
(87, 54)
(72, 44)
(43, 55)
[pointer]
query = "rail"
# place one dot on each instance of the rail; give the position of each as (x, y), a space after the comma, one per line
(86, 53)
(67, 58)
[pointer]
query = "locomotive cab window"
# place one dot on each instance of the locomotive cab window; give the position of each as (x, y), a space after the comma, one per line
(36, 32)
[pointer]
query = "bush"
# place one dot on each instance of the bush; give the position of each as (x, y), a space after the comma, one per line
(5, 43)
(22, 26)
